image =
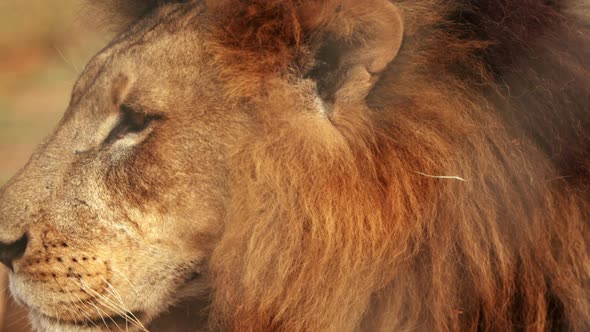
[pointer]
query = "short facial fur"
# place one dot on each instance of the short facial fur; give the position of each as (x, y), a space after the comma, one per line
(107, 217)
(317, 166)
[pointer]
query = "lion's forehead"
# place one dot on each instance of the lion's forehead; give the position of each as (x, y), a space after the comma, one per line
(170, 39)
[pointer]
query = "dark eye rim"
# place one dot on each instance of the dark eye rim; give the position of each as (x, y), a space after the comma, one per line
(132, 120)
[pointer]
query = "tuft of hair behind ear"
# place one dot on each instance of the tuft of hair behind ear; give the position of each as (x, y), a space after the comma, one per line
(258, 38)
(255, 38)
(118, 14)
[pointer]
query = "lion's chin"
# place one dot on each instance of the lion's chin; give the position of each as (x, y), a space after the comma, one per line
(127, 322)
(185, 307)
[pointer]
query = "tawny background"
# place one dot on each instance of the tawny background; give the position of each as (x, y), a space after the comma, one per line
(44, 44)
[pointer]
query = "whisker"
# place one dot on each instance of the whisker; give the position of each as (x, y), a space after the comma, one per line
(111, 304)
(100, 313)
(118, 296)
(108, 303)
(11, 317)
(74, 308)
(14, 323)
(98, 310)
(85, 306)
(126, 279)
(66, 60)
(113, 307)
(54, 301)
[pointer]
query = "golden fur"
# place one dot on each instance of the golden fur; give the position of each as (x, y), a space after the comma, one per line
(447, 191)
(339, 228)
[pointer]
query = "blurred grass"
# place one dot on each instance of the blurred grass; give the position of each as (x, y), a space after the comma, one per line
(43, 46)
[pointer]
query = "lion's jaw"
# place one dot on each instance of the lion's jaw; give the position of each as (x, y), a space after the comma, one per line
(122, 205)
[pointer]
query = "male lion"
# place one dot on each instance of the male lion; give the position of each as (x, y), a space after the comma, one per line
(316, 165)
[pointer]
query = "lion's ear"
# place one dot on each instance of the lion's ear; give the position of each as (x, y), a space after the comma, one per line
(333, 42)
(353, 45)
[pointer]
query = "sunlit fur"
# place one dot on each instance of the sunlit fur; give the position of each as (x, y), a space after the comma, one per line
(336, 226)
(453, 195)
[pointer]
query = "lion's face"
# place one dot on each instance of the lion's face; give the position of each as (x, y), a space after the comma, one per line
(120, 207)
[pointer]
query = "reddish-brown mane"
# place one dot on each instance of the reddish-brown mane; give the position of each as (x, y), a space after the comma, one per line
(457, 200)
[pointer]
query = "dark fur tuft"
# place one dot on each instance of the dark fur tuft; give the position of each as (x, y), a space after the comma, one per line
(120, 13)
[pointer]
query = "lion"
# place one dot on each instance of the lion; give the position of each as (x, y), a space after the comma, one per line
(315, 165)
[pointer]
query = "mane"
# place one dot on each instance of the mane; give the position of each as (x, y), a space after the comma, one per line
(457, 201)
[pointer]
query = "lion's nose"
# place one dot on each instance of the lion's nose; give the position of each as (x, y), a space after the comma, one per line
(11, 251)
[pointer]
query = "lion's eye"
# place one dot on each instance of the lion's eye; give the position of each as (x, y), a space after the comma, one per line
(130, 122)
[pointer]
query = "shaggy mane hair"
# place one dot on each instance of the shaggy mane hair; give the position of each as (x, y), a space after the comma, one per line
(458, 199)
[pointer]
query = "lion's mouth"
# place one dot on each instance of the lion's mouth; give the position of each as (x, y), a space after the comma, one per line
(116, 322)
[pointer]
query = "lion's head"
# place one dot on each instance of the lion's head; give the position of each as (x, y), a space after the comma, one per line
(315, 166)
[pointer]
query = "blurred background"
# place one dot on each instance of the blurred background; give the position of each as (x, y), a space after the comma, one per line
(44, 44)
